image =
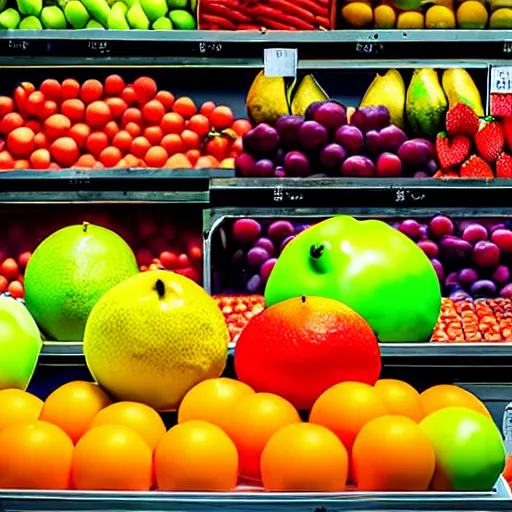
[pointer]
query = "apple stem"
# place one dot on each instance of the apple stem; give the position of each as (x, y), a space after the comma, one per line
(160, 288)
(316, 250)
(85, 225)
(303, 299)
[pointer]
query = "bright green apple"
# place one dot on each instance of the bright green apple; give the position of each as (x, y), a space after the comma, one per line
(20, 344)
(470, 455)
(369, 266)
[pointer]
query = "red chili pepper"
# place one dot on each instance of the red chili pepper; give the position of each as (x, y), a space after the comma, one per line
(229, 13)
(314, 7)
(291, 8)
(247, 26)
(280, 20)
(223, 23)
(323, 22)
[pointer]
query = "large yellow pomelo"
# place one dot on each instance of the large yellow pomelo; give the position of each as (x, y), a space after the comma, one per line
(153, 337)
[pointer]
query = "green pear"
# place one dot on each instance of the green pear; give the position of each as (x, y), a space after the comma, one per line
(182, 20)
(99, 10)
(30, 23)
(120, 7)
(177, 4)
(162, 23)
(52, 17)
(93, 24)
(117, 19)
(20, 344)
(76, 14)
(30, 7)
(10, 18)
(154, 9)
(137, 18)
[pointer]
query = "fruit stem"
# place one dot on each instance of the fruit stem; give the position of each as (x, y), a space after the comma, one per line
(160, 288)
(303, 299)
(85, 225)
(316, 250)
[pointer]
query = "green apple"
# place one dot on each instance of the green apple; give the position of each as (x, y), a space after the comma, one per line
(470, 455)
(371, 267)
(20, 344)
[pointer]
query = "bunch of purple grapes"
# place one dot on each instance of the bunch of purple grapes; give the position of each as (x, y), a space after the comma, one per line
(323, 143)
(471, 258)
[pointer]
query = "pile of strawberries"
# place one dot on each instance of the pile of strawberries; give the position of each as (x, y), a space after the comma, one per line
(473, 147)
(113, 124)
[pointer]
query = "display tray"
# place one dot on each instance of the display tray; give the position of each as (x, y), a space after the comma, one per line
(253, 499)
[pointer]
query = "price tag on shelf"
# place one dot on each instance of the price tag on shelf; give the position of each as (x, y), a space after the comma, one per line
(280, 62)
(501, 80)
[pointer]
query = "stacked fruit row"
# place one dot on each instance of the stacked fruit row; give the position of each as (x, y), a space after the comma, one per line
(290, 15)
(113, 124)
(238, 310)
(464, 14)
(98, 14)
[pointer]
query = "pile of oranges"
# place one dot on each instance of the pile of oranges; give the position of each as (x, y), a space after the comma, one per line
(226, 435)
(114, 125)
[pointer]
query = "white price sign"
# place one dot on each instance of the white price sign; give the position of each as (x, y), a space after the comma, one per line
(501, 80)
(280, 62)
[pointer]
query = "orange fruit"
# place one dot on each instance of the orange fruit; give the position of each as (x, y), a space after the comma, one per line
(133, 129)
(40, 141)
(73, 406)
(114, 85)
(177, 161)
(97, 114)
(193, 155)
(96, 143)
(156, 156)
(154, 134)
(252, 422)
(212, 400)
(172, 143)
(35, 456)
(345, 408)
(207, 108)
(35, 103)
(73, 109)
(110, 156)
(112, 458)
(206, 162)
(111, 129)
(392, 453)
(166, 98)
(10, 122)
(70, 89)
(221, 117)
(153, 112)
(241, 126)
(122, 140)
(64, 151)
(22, 164)
(20, 142)
(40, 159)
(56, 126)
(15, 288)
(131, 115)
(172, 123)
(91, 90)
(304, 458)
(51, 89)
(448, 395)
(337, 343)
(80, 133)
(185, 107)
(401, 398)
(17, 406)
(117, 107)
(139, 147)
(34, 125)
(196, 456)
(145, 89)
(6, 105)
(6, 160)
(139, 417)
(200, 124)
(49, 108)
(128, 95)
(86, 161)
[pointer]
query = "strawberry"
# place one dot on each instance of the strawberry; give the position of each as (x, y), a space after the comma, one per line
(504, 166)
(452, 153)
(475, 167)
(461, 120)
(490, 139)
(506, 124)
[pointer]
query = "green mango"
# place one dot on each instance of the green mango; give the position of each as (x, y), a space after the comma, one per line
(117, 18)
(76, 14)
(99, 10)
(182, 20)
(154, 9)
(470, 455)
(30, 7)
(93, 24)
(52, 17)
(119, 8)
(20, 344)
(136, 17)
(10, 19)
(162, 23)
(30, 23)
(177, 4)
(371, 267)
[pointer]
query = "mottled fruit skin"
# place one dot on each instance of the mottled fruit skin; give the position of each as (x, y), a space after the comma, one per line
(321, 342)
(151, 347)
(69, 272)
(367, 265)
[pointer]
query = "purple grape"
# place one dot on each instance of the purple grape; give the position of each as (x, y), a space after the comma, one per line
(332, 156)
(459, 294)
(423, 232)
(474, 233)
(506, 291)
(280, 229)
(285, 242)
(267, 244)
(371, 118)
(255, 284)
(414, 154)
(454, 249)
(358, 166)
(410, 228)
(279, 172)
(391, 138)
(262, 139)
(495, 227)
(451, 279)
(486, 254)
(257, 256)
(310, 111)
(483, 288)
(330, 114)
(349, 137)
(501, 275)
(297, 164)
(313, 135)
(288, 128)
(428, 247)
(264, 168)
(440, 226)
(246, 230)
(428, 145)
(245, 164)
(266, 268)
(372, 142)
(438, 267)
(467, 276)
(431, 167)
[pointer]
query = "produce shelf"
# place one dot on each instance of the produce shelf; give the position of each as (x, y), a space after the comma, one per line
(224, 48)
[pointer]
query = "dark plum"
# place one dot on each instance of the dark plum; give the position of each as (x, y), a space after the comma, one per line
(410, 228)
(391, 138)
(358, 166)
(330, 114)
(483, 288)
(310, 111)
(257, 256)
(285, 242)
(441, 225)
(332, 156)
(264, 168)
(474, 233)
(280, 229)
(246, 230)
(501, 274)
(414, 154)
(266, 268)
(288, 128)
(431, 167)
(279, 172)
(454, 249)
(267, 244)
(451, 279)
(349, 137)
(261, 140)
(297, 164)
(244, 164)
(371, 118)
(503, 239)
(506, 291)
(438, 267)
(486, 254)
(313, 135)
(428, 247)
(372, 143)
(389, 166)
(467, 276)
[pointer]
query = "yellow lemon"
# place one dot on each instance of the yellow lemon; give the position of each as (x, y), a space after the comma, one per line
(385, 16)
(439, 16)
(410, 20)
(357, 15)
(472, 14)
